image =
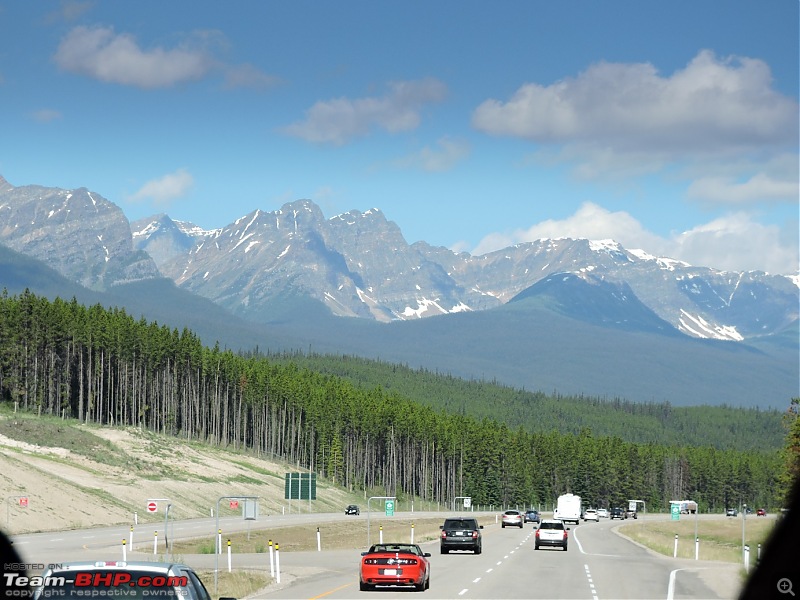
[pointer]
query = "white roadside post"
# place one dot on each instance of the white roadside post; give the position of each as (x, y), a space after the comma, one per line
(155, 542)
(124, 551)
(675, 551)
(319, 541)
(271, 560)
(277, 563)
(229, 556)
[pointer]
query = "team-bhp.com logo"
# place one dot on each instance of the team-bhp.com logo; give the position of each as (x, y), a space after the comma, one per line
(93, 584)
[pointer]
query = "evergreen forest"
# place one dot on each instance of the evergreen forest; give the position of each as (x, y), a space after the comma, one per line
(102, 366)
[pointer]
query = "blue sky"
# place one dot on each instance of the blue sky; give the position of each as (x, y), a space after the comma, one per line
(671, 127)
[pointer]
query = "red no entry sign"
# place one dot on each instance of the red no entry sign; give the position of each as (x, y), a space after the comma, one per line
(152, 507)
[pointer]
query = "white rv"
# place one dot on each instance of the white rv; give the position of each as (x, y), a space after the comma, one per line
(568, 509)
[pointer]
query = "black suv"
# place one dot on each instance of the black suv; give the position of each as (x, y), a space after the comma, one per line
(461, 533)
(617, 513)
(352, 510)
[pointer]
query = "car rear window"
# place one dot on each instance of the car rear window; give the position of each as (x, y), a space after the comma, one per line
(460, 524)
(547, 525)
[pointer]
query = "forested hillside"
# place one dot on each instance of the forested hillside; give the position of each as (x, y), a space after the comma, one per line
(722, 427)
(103, 366)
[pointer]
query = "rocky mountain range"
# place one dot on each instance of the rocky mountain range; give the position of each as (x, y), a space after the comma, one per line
(359, 265)
(560, 315)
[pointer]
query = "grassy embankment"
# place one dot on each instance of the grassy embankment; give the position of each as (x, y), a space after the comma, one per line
(720, 539)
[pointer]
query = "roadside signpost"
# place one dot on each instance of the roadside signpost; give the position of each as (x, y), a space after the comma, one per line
(250, 513)
(300, 486)
(386, 506)
(21, 500)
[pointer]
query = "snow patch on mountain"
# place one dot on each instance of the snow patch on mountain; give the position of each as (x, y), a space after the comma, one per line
(668, 264)
(423, 306)
(699, 327)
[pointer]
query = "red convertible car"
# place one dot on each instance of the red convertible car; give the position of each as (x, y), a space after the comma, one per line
(395, 564)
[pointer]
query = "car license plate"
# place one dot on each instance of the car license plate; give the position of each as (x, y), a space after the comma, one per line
(391, 572)
(459, 533)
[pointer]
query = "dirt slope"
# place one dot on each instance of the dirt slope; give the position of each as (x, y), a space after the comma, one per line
(78, 476)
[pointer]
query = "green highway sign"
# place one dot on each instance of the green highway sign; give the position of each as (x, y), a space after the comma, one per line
(389, 508)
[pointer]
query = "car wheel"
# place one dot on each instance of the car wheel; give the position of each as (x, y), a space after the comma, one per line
(364, 587)
(428, 583)
(478, 550)
(536, 547)
(445, 551)
(565, 547)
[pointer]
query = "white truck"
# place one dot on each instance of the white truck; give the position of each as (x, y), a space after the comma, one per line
(687, 507)
(568, 509)
(633, 508)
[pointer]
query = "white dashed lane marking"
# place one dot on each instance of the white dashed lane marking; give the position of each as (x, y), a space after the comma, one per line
(591, 582)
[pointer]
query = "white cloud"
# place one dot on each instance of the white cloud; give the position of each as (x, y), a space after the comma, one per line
(710, 106)
(341, 119)
(735, 242)
(447, 153)
(99, 53)
(163, 190)
(718, 124)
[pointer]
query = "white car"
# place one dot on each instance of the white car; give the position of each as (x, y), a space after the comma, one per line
(590, 514)
(602, 513)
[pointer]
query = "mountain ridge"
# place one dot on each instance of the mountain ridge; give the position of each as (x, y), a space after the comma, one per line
(292, 279)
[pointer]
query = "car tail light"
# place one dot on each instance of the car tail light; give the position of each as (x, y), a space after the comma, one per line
(537, 533)
(565, 534)
(444, 534)
(474, 534)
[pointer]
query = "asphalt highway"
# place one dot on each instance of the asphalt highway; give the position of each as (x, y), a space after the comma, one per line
(600, 564)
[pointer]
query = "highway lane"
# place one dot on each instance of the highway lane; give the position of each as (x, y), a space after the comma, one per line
(102, 542)
(622, 569)
(599, 564)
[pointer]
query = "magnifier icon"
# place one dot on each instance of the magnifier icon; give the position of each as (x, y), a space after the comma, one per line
(785, 586)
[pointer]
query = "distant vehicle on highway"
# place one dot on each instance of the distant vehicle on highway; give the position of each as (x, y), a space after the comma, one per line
(136, 579)
(617, 513)
(633, 508)
(395, 565)
(460, 534)
(602, 513)
(568, 508)
(731, 512)
(686, 507)
(512, 518)
(590, 514)
(352, 510)
(533, 516)
(552, 532)
(761, 512)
